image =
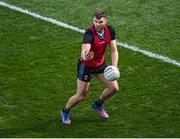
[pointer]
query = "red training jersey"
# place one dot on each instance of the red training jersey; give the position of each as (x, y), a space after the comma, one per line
(98, 45)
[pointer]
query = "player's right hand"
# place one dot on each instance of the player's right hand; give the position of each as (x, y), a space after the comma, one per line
(88, 56)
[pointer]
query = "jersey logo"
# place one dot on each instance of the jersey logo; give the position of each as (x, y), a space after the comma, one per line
(102, 42)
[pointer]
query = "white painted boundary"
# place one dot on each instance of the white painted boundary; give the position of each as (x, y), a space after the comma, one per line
(64, 25)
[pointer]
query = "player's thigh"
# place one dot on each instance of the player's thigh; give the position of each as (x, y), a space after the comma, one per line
(109, 84)
(82, 87)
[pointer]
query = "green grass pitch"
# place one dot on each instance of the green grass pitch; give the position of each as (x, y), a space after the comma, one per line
(38, 70)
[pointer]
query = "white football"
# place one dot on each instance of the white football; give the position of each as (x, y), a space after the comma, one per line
(111, 73)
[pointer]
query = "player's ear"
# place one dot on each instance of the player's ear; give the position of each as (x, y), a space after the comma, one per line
(105, 20)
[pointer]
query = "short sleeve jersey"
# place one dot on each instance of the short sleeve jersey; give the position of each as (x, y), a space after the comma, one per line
(98, 45)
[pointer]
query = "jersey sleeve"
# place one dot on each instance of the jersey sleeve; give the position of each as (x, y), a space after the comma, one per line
(112, 32)
(88, 37)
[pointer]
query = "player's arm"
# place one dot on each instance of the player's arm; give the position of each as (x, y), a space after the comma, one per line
(86, 52)
(114, 53)
(113, 47)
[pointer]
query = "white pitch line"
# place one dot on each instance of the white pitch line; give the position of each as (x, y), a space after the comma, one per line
(64, 25)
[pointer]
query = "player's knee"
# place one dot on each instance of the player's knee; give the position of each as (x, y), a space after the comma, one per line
(80, 97)
(114, 88)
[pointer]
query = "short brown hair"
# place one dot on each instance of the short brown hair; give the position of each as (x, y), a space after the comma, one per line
(99, 14)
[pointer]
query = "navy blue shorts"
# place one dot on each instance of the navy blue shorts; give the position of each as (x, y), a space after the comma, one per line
(85, 73)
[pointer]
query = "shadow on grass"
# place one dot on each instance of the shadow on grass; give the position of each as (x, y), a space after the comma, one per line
(82, 126)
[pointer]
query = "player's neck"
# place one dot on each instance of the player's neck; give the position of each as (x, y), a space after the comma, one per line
(100, 31)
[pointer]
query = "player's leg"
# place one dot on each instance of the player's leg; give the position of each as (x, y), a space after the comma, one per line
(111, 88)
(83, 82)
(82, 89)
(81, 93)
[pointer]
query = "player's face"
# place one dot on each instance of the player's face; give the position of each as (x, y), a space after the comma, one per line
(99, 23)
